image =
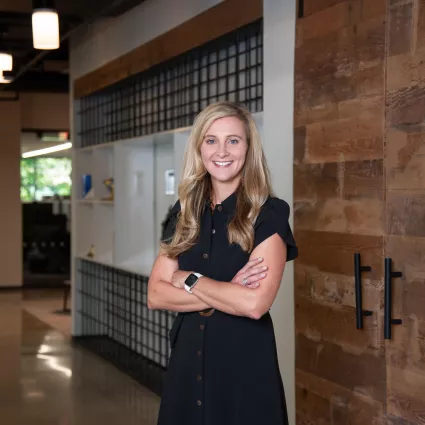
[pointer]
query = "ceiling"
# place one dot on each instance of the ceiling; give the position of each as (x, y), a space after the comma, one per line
(47, 71)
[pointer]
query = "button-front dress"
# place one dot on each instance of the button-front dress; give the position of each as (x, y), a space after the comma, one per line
(223, 369)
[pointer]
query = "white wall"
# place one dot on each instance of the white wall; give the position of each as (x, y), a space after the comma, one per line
(279, 46)
(104, 41)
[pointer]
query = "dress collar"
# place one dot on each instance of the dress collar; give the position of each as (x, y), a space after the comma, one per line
(229, 204)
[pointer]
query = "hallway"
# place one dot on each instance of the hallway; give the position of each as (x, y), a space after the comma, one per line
(45, 380)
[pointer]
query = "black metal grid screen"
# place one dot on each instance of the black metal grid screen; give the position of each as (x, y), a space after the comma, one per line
(117, 324)
(170, 95)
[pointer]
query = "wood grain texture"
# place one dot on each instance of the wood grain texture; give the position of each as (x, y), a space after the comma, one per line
(333, 252)
(405, 154)
(226, 16)
(406, 213)
(332, 110)
(335, 290)
(408, 254)
(311, 408)
(406, 70)
(358, 409)
(362, 373)
(400, 29)
(348, 139)
(406, 107)
(405, 395)
(359, 217)
(336, 325)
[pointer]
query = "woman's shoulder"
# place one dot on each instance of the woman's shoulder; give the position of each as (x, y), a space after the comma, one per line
(273, 208)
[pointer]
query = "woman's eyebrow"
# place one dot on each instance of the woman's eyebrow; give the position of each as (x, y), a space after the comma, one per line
(229, 135)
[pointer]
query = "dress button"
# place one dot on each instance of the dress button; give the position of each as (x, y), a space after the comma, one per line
(205, 255)
(213, 231)
(199, 352)
(219, 207)
(199, 402)
(202, 327)
(199, 377)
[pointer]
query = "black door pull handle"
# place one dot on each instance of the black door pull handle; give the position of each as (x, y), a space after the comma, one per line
(358, 269)
(388, 320)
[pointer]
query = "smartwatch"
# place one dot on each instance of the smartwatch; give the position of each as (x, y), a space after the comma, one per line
(191, 281)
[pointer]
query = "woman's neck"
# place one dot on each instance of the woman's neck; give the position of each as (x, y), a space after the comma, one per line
(220, 192)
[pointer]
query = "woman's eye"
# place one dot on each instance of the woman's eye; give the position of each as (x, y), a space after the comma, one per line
(210, 141)
(233, 141)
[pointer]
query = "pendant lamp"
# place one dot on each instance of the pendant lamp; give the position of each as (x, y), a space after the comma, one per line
(45, 25)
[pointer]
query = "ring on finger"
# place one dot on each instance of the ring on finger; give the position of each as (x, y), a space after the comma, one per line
(245, 281)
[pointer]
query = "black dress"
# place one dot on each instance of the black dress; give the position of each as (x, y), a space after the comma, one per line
(223, 369)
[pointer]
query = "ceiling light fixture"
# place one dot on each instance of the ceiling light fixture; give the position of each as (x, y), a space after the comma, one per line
(45, 151)
(6, 61)
(45, 25)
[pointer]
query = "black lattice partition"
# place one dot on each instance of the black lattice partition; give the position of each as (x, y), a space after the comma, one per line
(117, 324)
(170, 95)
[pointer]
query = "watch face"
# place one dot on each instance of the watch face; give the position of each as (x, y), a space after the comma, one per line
(191, 280)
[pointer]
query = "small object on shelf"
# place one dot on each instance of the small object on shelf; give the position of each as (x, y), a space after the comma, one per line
(91, 252)
(109, 183)
(86, 185)
(90, 195)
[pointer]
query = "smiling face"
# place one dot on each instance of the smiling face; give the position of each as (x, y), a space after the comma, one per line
(223, 149)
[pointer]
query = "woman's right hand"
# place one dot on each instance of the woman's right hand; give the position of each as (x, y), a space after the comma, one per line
(251, 273)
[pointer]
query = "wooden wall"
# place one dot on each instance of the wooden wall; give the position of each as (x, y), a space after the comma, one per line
(339, 208)
(405, 207)
(359, 177)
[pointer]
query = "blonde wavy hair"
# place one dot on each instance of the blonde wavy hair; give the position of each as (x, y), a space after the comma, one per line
(195, 186)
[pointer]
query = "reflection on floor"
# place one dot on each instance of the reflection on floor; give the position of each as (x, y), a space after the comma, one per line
(45, 380)
(46, 305)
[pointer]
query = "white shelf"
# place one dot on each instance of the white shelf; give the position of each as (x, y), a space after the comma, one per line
(95, 201)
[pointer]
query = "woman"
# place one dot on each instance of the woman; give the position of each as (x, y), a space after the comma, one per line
(225, 246)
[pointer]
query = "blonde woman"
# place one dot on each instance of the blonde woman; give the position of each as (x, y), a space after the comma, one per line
(224, 251)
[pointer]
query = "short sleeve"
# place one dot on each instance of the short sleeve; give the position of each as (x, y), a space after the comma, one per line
(274, 218)
(169, 223)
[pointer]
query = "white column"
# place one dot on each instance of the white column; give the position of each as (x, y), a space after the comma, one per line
(279, 46)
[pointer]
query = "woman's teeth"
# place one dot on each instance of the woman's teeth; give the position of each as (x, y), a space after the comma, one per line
(222, 164)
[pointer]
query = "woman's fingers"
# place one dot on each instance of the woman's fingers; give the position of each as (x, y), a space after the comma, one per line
(253, 279)
(249, 265)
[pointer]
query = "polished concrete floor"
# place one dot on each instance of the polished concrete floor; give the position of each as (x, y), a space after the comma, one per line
(45, 380)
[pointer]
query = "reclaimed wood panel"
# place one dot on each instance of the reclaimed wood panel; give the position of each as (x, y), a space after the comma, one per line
(339, 209)
(406, 70)
(348, 139)
(400, 29)
(336, 325)
(363, 373)
(311, 408)
(357, 409)
(405, 398)
(405, 203)
(226, 17)
(337, 290)
(406, 213)
(405, 160)
(333, 252)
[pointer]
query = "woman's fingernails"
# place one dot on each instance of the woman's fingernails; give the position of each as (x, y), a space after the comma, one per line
(264, 267)
(260, 258)
(263, 274)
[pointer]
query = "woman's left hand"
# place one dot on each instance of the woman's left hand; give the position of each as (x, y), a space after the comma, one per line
(179, 277)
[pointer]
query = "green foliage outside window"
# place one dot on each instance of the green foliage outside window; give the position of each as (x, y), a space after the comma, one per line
(42, 176)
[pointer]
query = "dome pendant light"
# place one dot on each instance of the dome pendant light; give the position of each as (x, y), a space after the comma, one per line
(45, 25)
